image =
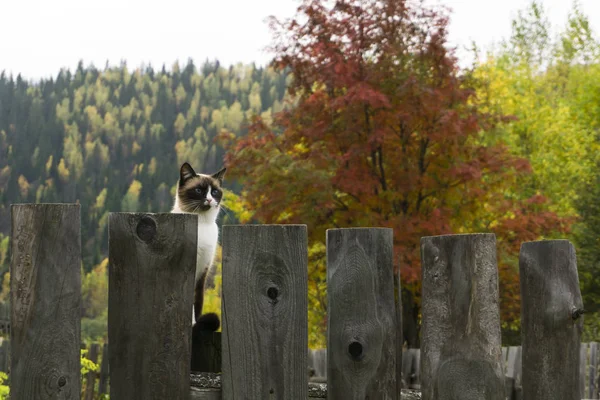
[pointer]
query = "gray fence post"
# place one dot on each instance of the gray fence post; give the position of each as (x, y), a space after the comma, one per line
(361, 323)
(551, 322)
(461, 357)
(152, 259)
(45, 292)
(264, 309)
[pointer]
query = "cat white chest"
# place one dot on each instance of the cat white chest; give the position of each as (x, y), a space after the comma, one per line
(208, 234)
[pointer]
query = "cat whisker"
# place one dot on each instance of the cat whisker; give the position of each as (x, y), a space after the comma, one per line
(224, 207)
(197, 207)
(226, 211)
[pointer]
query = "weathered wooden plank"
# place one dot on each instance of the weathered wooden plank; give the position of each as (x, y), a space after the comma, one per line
(264, 308)
(593, 371)
(205, 394)
(206, 351)
(317, 360)
(417, 369)
(399, 334)
(407, 366)
(509, 388)
(511, 361)
(90, 378)
(207, 386)
(152, 260)
(361, 314)
(461, 356)
(103, 381)
(4, 350)
(582, 370)
(45, 291)
(550, 324)
(518, 374)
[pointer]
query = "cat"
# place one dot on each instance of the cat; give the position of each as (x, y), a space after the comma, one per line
(201, 194)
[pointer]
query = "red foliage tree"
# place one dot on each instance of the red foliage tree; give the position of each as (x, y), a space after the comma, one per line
(383, 132)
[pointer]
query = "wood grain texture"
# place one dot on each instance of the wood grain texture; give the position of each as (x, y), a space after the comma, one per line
(361, 309)
(550, 335)
(408, 359)
(594, 374)
(206, 351)
(45, 292)
(103, 380)
(152, 261)
(4, 355)
(264, 309)
(582, 367)
(317, 360)
(461, 357)
(205, 394)
(399, 335)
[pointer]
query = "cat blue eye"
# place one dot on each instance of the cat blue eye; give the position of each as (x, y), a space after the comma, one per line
(214, 192)
(199, 190)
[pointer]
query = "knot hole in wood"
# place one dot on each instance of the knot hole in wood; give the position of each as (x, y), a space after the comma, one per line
(576, 313)
(146, 229)
(273, 292)
(356, 351)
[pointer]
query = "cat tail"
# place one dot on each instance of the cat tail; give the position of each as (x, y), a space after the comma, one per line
(207, 323)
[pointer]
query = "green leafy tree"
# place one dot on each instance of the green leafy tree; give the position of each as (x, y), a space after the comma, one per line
(550, 88)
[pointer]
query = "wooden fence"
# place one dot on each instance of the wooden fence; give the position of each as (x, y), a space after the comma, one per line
(589, 368)
(264, 312)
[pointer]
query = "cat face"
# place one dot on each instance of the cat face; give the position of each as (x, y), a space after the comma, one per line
(199, 193)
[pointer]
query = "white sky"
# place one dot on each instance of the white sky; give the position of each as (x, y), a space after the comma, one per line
(38, 37)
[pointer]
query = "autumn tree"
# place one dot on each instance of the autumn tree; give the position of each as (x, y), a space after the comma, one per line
(384, 132)
(554, 99)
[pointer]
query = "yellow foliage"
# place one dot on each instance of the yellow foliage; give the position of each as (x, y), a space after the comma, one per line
(266, 117)
(39, 193)
(3, 248)
(94, 287)
(5, 173)
(100, 200)
(130, 202)
(204, 113)
(547, 130)
(212, 296)
(152, 166)
(63, 171)
(135, 188)
(179, 124)
(135, 148)
(138, 169)
(239, 207)
(317, 297)
(5, 288)
(23, 186)
(4, 388)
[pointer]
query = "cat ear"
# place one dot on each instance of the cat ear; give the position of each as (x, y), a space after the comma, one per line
(186, 172)
(220, 175)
